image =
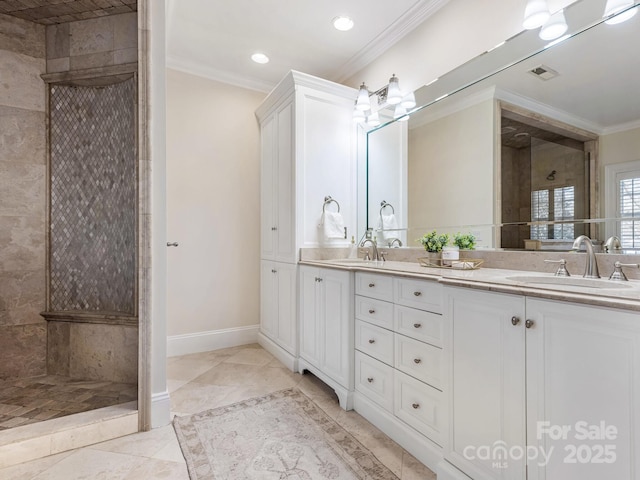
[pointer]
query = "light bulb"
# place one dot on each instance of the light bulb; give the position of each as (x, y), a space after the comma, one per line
(536, 13)
(373, 120)
(615, 6)
(343, 23)
(363, 103)
(394, 95)
(409, 100)
(260, 58)
(400, 113)
(358, 116)
(555, 27)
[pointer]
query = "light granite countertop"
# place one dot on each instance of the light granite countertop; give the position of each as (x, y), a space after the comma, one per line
(598, 292)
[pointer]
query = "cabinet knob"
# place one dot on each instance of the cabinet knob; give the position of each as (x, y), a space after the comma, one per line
(529, 323)
(371, 285)
(416, 406)
(372, 311)
(273, 229)
(319, 279)
(371, 340)
(417, 360)
(417, 294)
(273, 270)
(370, 379)
(172, 244)
(417, 325)
(515, 321)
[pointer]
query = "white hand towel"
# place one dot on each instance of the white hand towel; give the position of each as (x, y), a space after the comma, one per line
(389, 226)
(332, 225)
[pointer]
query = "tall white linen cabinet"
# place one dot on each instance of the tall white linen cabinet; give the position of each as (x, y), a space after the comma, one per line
(308, 152)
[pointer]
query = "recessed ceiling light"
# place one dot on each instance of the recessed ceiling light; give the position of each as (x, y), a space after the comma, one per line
(260, 58)
(343, 23)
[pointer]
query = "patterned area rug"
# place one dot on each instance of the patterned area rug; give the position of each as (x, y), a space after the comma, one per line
(277, 436)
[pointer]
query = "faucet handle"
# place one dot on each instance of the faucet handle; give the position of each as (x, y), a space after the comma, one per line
(382, 254)
(562, 268)
(618, 274)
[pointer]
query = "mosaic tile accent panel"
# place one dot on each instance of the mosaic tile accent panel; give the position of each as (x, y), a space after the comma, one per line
(93, 198)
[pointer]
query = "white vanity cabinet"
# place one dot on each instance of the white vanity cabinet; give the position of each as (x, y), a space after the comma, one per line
(278, 287)
(307, 152)
(558, 381)
(399, 369)
(326, 328)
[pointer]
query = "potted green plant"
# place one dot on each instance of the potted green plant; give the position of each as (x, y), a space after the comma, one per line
(464, 241)
(434, 242)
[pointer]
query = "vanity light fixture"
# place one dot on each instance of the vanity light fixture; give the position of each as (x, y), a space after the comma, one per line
(400, 113)
(343, 23)
(260, 58)
(362, 102)
(394, 95)
(536, 13)
(617, 8)
(359, 116)
(555, 27)
(373, 120)
(409, 100)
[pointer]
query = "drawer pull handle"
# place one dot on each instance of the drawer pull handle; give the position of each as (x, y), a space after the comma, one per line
(416, 406)
(372, 311)
(370, 379)
(371, 285)
(371, 340)
(417, 360)
(417, 325)
(417, 294)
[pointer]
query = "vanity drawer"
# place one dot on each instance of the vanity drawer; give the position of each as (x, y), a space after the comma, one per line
(418, 324)
(419, 405)
(374, 341)
(375, 286)
(420, 360)
(374, 380)
(374, 311)
(421, 294)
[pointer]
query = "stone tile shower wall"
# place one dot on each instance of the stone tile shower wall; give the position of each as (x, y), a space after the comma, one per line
(92, 245)
(93, 263)
(23, 331)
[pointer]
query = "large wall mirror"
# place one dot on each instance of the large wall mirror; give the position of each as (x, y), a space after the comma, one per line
(529, 157)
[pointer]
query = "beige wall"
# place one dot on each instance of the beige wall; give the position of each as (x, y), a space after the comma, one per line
(451, 171)
(213, 202)
(22, 198)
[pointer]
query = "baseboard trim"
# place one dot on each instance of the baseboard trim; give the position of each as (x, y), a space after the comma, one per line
(290, 361)
(160, 409)
(211, 340)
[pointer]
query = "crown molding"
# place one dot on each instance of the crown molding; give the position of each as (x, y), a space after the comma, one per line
(404, 25)
(623, 127)
(200, 70)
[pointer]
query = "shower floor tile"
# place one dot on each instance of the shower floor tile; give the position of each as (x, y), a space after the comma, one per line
(29, 400)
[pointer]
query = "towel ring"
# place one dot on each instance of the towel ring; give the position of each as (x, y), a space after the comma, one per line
(327, 201)
(384, 204)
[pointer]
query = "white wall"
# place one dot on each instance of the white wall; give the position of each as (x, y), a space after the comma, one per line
(213, 191)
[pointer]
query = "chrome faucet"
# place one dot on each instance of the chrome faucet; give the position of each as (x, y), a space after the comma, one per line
(394, 241)
(591, 264)
(374, 248)
(612, 245)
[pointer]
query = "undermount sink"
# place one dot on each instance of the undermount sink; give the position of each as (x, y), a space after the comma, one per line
(570, 281)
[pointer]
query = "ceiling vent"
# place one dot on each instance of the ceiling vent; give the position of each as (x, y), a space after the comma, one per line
(543, 72)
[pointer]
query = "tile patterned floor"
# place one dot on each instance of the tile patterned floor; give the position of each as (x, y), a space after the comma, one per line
(199, 382)
(29, 400)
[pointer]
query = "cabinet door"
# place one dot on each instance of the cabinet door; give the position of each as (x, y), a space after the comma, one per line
(487, 382)
(583, 376)
(287, 318)
(268, 300)
(335, 314)
(284, 196)
(268, 187)
(309, 332)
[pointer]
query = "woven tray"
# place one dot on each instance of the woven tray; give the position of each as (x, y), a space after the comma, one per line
(462, 264)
